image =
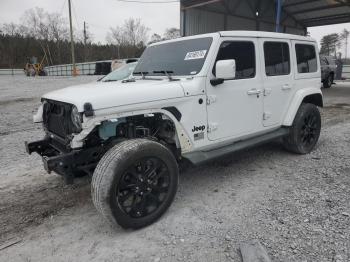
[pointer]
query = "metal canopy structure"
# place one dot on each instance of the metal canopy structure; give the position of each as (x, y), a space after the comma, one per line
(319, 12)
(288, 16)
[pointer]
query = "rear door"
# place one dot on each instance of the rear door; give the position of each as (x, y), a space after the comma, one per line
(278, 79)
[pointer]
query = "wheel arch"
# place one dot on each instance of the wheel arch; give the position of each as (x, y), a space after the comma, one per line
(184, 142)
(315, 99)
(309, 95)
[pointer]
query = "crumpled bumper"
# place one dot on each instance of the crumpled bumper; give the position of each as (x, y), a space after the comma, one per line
(53, 156)
(65, 161)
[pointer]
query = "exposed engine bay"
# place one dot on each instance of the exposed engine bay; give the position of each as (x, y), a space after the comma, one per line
(151, 125)
(59, 157)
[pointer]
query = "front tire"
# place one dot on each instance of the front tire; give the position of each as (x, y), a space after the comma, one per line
(305, 131)
(135, 182)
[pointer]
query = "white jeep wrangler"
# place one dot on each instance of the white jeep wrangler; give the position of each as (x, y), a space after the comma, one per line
(194, 98)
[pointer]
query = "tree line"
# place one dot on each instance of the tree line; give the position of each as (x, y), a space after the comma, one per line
(331, 45)
(46, 35)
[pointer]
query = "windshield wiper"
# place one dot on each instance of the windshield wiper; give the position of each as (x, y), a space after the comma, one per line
(129, 80)
(143, 74)
(167, 73)
(109, 80)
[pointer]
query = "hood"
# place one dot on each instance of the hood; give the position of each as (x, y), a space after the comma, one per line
(111, 94)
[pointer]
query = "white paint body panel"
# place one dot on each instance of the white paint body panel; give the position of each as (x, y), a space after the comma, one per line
(111, 94)
(278, 89)
(233, 113)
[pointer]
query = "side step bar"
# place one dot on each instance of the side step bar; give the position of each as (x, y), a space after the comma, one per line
(199, 157)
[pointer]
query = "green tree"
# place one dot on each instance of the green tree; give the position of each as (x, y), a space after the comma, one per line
(344, 36)
(329, 44)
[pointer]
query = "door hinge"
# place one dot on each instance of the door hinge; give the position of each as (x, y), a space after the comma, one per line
(267, 91)
(212, 127)
(266, 115)
(211, 99)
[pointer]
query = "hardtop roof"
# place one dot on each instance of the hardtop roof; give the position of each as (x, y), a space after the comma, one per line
(237, 33)
(262, 34)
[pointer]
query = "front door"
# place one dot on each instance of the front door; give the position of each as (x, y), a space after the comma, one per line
(235, 107)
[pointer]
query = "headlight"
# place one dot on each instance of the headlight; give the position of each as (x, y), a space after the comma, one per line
(76, 118)
(38, 117)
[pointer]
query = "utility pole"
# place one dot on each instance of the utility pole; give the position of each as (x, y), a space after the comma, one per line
(85, 38)
(74, 73)
(85, 33)
(346, 47)
(346, 36)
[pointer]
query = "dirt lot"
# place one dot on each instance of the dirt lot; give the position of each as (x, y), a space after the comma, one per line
(297, 206)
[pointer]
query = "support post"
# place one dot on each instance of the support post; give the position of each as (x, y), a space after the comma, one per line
(278, 15)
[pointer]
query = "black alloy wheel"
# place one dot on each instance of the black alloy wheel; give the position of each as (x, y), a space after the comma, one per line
(309, 130)
(143, 187)
(305, 131)
(135, 182)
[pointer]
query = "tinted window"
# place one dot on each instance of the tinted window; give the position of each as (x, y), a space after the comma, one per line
(323, 61)
(306, 58)
(184, 57)
(244, 54)
(277, 59)
(331, 60)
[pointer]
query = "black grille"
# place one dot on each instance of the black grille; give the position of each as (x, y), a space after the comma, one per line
(56, 117)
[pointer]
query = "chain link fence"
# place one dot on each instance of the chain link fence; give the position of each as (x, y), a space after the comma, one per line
(87, 68)
(346, 72)
(11, 72)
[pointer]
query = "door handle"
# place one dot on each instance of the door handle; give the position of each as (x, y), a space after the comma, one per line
(254, 91)
(286, 87)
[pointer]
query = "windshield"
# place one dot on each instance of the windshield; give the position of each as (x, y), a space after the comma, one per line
(178, 58)
(121, 73)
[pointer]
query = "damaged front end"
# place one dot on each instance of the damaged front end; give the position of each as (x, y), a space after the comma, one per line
(63, 126)
(68, 163)
(60, 122)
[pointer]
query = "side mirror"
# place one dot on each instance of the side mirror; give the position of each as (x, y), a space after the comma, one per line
(226, 69)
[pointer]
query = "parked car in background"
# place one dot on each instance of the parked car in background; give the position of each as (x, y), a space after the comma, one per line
(117, 63)
(121, 73)
(328, 68)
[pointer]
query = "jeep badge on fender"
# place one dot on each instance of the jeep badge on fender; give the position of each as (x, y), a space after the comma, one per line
(198, 128)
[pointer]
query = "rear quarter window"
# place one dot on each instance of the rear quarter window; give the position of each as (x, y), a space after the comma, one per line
(306, 58)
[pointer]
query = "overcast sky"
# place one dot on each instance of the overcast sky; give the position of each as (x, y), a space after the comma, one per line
(102, 14)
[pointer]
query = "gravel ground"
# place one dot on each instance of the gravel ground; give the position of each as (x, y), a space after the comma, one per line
(297, 206)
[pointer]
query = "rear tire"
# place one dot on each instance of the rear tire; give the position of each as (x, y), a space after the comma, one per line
(135, 182)
(329, 81)
(305, 131)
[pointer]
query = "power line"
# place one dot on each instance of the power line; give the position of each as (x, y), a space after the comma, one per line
(149, 2)
(75, 16)
(98, 26)
(63, 5)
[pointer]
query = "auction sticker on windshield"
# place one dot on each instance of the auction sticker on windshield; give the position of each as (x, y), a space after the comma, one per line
(200, 54)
